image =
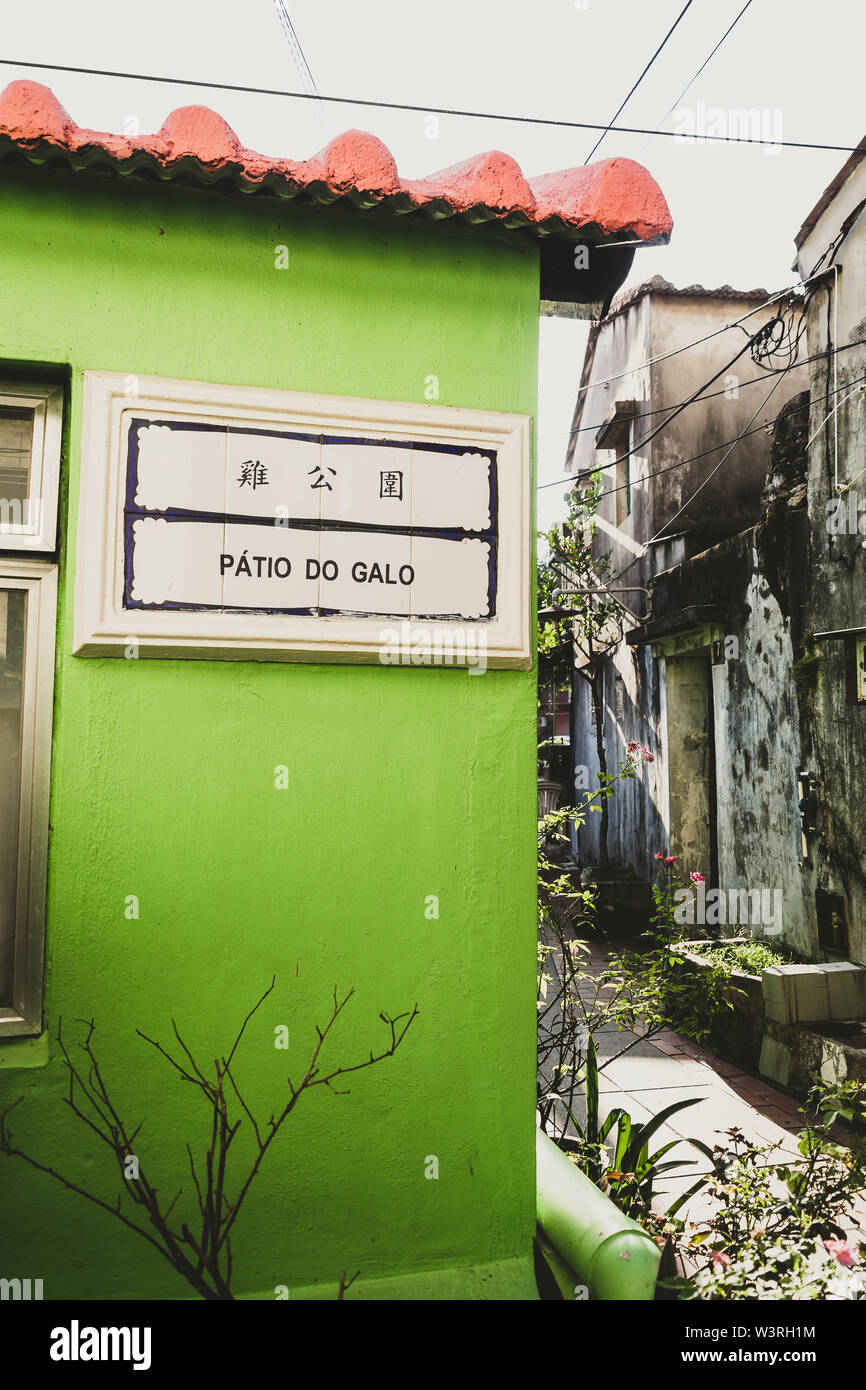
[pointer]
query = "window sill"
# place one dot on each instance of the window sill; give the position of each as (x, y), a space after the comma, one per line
(16, 1054)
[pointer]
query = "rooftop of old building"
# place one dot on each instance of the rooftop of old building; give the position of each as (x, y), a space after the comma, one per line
(833, 187)
(659, 288)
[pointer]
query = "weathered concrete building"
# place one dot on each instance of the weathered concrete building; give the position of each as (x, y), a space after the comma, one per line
(742, 667)
(831, 625)
(676, 515)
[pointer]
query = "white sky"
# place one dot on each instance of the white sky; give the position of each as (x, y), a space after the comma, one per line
(735, 209)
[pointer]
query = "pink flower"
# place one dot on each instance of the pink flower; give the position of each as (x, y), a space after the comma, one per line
(659, 856)
(697, 878)
(720, 1260)
(842, 1250)
(639, 751)
(670, 860)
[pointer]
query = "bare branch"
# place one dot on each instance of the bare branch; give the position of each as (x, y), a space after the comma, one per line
(210, 1274)
(253, 1010)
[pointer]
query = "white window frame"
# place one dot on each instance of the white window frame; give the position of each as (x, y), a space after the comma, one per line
(39, 581)
(39, 531)
(103, 627)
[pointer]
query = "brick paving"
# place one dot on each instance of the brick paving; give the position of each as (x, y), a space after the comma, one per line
(657, 1071)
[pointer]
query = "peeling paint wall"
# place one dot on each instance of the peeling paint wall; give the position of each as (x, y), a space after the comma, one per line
(633, 710)
(757, 757)
(834, 728)
(722, 792)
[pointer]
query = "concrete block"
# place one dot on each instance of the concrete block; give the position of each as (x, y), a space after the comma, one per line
(775, 1061)
(846, 984)
(811, 993)
(777, 994)
(814, 993)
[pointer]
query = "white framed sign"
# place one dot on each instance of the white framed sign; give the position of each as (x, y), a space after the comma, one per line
(239, 522)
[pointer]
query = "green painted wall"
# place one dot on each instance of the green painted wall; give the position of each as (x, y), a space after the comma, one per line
(403, 784)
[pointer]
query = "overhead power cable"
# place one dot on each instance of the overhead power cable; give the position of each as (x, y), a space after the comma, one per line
(425, 110)
(712, 473)
(704, 64)
(303, 67)
(623, 104)
(710, 396)
(695, 342)
(571, 478)
(753, 340)
(759, 429)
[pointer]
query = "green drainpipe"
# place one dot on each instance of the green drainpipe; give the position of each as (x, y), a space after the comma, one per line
(608, 1251)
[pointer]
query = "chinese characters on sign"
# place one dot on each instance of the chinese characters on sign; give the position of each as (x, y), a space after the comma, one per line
(253, 473)
(391, 485)
(321, 480)
(231, 518)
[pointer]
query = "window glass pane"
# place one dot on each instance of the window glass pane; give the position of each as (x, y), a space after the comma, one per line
(16, 440)
(13, 608)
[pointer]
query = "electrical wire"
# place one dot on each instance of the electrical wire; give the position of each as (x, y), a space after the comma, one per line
(660, 409)
(424, 110)
(704, 64)
(766, 343)
(759, 429)
(761, 344)
(829, 416)
(623, 104)
(683, 405)
(705, 453)
(303, 67)
(696, 342)
(712, 473)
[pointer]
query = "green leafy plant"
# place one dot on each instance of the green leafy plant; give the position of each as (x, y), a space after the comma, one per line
(615, 1152)
(694, 999)
(581, 617)
(780, 1228)
(839, 1100)
(663, 926)
(689, 999)
(749, 956)
(572, 1002)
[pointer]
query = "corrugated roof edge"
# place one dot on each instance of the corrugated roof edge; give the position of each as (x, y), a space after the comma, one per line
(665, 290)
(613, 198)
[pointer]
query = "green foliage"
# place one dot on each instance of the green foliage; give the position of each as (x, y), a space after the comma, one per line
(664, 928)
(689, 999)
(569, 571)
(694, 999)
(572, 1003)
(780, 1225)
(839, 1100)
(806, 668)
(749, 956)
(798, 1268)
(615, 1152)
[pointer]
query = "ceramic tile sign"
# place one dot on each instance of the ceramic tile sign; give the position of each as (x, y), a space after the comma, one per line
(234, 522)
(234, 518)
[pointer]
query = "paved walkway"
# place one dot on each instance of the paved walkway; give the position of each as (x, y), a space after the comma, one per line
(660, 1070)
